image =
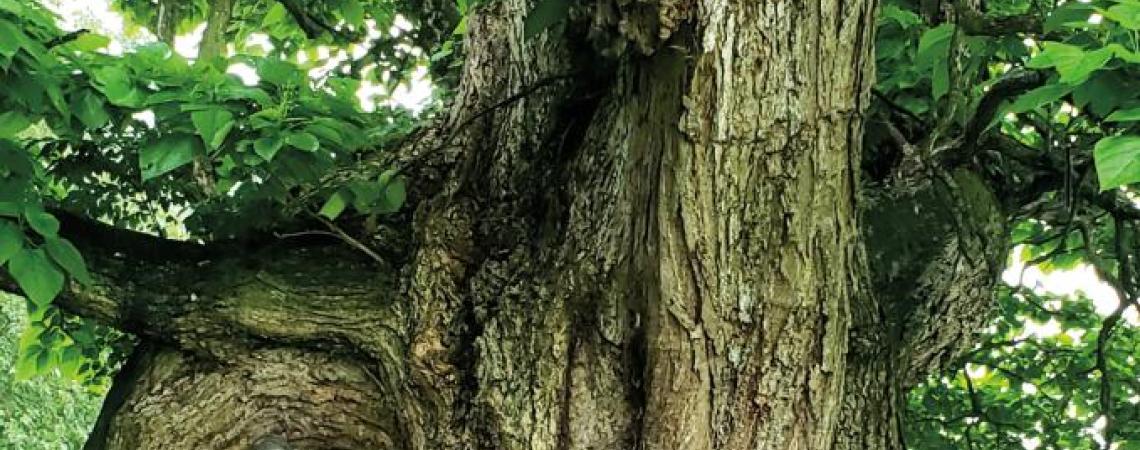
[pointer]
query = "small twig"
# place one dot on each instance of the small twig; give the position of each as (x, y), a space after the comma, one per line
(60, 40)
(304, 234)
(347, 238)
(894, 106)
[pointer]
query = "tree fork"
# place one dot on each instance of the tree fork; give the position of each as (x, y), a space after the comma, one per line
(679, 264)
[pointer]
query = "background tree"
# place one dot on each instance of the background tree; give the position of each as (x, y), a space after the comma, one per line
(674, 224)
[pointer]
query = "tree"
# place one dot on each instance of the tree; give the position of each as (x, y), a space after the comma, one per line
(632, 225)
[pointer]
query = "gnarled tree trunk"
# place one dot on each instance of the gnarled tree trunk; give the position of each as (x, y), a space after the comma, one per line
(644, 232)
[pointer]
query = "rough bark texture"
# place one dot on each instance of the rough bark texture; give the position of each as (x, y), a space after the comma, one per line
(659, 249)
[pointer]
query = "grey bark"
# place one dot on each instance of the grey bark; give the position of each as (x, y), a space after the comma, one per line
(664, 252)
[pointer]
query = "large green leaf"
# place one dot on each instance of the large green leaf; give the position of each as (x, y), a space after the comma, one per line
(9, 45)
(213, 124)
(116, 83)
(67, 256)
(1043, 95)
(1073, 63)
(934, 45)
(12, 123)
(1127, 14)
(40, 280)
(1124, 115)
(353, 12)
(89, 42)
(279, 72)
(11, 241)
(89, 108)
(1117, 160)
(267, 147)
(393, 191)
(303, 141)
(940, 78)
(166, 154)
(45, 224)
(1069, 15)
(334, 206)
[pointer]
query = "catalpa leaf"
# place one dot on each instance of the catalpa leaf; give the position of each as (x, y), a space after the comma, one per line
(303, 141)
(11, 241)
(1117, 160)
(334, 206)
(1124, 115)
(40, 280)
(67, 256)
(267, 147)
(166, 154)
(393, 192)
(1040, 96)
(45, 224)
(213, 125)
(934, 45)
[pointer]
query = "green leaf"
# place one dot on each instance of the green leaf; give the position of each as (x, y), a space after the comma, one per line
(1124, 53)
(334, 206)
(1073, 63)
(940, 79)
(26, 365)
(89, 108)
(89, 42)
(1125, 13)
(353, 13)
(1117, 160)
(40, 280)
(68, 257)
(9, 45)
(1100, 93)
(544, 15)
(303, 141)
(12, 123)
(70, 361)
(1043, 95)
(1091, 62)
(905, 19)
(1069, 15)
(166, 154)
(116, 84)
(11, 241)
(393, 191)
(267, 147)
(274, 15)
(45, 224)
(934, 45)
(1053, 54)
(213, 125)
(279, 72)
(1124, 115)
(14, 160)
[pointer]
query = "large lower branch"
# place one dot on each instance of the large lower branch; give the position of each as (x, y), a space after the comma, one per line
(936, 252)
(209, 298)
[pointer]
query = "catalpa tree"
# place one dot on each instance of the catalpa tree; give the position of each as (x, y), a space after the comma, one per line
(705, 224)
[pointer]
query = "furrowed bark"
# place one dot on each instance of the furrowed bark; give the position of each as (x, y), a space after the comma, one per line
(660, 249)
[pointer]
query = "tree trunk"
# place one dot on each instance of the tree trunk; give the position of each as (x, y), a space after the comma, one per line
(658, 246)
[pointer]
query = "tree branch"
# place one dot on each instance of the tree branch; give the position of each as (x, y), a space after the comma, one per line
(1011, 85)
(976, 23)
(211, 298)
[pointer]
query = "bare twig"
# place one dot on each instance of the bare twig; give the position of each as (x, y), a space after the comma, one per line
(338, 232)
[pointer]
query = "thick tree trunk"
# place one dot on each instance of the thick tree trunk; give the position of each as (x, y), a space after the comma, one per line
(658, 246)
